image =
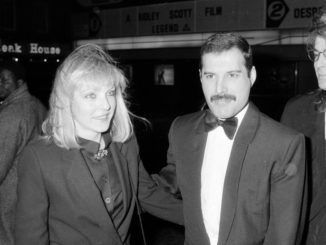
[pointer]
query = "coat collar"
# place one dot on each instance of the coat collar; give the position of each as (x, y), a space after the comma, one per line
(18, 94)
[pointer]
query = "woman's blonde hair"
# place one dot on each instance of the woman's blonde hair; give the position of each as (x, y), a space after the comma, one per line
(88, 60)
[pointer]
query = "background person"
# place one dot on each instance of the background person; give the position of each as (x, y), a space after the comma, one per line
(21, 116)
(79, 185)
(306, 113)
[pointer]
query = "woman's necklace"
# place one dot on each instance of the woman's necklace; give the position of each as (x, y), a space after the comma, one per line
(102, 152)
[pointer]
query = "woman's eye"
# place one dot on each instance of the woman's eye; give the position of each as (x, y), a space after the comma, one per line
(112, 92)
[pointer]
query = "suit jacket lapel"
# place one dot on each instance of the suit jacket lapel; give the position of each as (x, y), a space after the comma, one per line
(319, 151)
(244, 136)
(318, 166)
(197, 149)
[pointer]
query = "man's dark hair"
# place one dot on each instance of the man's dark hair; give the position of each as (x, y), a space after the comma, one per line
(220, 42)
(318, 28)
(15, 68)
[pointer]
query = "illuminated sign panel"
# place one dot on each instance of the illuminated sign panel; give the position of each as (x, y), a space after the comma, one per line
(33, 48)
(90, 3)
(80, 25)
(291, 13)
(129, 22)
(201, 16)
(14, 48)
(227, 15)
(111, 20)
(166, 19)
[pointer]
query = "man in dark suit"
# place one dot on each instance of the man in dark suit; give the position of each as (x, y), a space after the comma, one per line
(306, 113)
(241, 175)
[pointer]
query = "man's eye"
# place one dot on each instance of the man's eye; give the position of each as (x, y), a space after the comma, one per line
(233, 75)
(90, 96)
(209, 76)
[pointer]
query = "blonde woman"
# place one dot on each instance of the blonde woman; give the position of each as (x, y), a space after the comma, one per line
(81, 182)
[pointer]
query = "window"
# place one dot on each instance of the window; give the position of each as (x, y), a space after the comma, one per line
(164, 74)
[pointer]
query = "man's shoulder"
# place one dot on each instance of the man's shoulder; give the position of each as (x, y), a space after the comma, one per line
(189, 118)
(268, 135)
(12, 112)
(275, 128)
(22, 108)
(299, 109)
(264, 122)
(42, 143)
(32, 102)
(302, 99)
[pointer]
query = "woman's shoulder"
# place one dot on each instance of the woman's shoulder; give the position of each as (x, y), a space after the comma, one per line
(44, 147)
(48, 156)
(41, 142)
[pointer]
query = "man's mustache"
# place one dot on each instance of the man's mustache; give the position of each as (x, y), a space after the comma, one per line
(223, 96)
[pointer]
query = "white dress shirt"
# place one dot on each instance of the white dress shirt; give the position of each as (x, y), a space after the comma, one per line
(216, 157)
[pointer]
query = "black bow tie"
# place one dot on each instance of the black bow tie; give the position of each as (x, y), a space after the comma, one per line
(320, 101)
(229, 125)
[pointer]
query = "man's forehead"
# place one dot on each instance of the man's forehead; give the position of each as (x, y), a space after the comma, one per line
(320, 41)
(233, 50)
(5, 72)
(231, 55)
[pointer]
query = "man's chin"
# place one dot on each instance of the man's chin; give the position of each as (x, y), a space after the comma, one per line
(322, 83)
(222, 115)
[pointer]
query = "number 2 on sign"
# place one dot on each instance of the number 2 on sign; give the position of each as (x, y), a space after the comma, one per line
(276, 10)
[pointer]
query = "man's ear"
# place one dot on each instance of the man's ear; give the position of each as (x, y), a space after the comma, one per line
(253, 75)
(20, 82)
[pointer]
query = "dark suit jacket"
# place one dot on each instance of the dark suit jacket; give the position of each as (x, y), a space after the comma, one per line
(263, 189)
(301, 115)
(59, 202)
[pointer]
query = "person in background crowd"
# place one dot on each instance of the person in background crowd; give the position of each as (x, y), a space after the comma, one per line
(21, 116)
(241, 175)
(306, 114)
(81, 182)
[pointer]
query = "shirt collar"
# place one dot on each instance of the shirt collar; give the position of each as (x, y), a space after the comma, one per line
(240, 117)
(241, 114)
(93, 147)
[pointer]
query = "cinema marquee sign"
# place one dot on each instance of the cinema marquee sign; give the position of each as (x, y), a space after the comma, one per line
(30, 49)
